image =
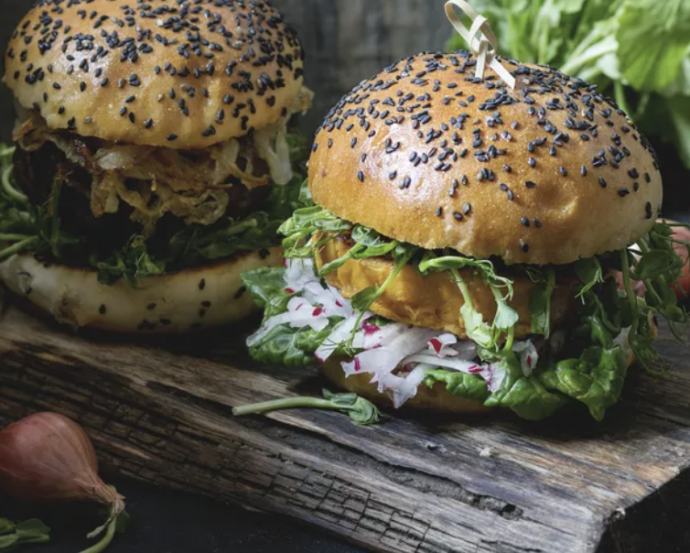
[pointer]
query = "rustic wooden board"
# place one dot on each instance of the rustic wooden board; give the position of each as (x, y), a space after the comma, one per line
(163, 415)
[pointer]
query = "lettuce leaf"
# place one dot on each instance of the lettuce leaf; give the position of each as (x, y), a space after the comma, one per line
(524, 395)
(460, 384)
(290, 347)
(595, 379)
(267, 288)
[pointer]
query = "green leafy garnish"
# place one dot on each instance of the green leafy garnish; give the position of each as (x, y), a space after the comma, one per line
(361, 411)
(540, 304)
(30, 531)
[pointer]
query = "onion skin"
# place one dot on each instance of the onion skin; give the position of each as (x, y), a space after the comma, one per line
(47, 457)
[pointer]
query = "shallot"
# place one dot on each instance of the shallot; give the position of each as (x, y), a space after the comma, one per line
(48, 457)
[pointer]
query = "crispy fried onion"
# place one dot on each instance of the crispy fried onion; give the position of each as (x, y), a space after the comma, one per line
(154, 181)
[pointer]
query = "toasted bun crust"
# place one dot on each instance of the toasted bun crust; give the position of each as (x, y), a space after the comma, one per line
(433, 399)
(202, 71)
(170, 304)
(434, 300)
(404, 153)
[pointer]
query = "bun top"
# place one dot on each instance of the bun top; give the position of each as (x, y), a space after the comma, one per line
(429, 154)
(180, 74)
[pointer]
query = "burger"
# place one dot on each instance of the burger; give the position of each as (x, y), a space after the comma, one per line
(155, 158)
(465, 241)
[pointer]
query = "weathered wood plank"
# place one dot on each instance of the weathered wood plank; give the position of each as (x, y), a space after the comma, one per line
(163, 415)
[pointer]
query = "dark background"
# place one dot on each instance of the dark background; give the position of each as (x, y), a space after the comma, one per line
(346, 41)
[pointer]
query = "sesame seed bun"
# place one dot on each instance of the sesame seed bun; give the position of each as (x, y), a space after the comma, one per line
(437, 398)
(434, 300)
(184, 76)
(427, 154)
(190, 300)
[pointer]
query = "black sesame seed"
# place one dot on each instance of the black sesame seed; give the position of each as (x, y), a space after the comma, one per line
(524, 246)
(530, 184)
(148, 123)
(602, 182)
(102, 309)
(623, 192)
(360, 176)
(439, 211)
(202, 284)
(563, 171)
(172, 137)
(648, 210)
(532, 162)
(458, 216)
(525, 221)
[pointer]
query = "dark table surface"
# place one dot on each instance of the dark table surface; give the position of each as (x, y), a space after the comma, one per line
(164, 521)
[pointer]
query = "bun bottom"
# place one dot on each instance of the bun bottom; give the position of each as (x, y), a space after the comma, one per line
(176, 303)
(436, 399)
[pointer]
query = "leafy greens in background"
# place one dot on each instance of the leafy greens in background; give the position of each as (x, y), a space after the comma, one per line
(637, 51)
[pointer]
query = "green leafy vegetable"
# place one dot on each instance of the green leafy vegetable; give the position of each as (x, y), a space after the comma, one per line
(361, 411)
(29, 531)
(590, 273)
(540, 304)
(267, 288)
(487, 336)
(469, 386)
(365, 299)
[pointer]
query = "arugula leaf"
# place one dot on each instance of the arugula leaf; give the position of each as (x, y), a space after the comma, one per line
(306, 222)
(487, 336)
(590, 273)
(540, 304)
(29, 531)
(361, 411)
(365, 298)
(654, 264)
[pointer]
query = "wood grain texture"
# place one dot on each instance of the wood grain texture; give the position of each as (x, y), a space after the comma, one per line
(163, 415)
